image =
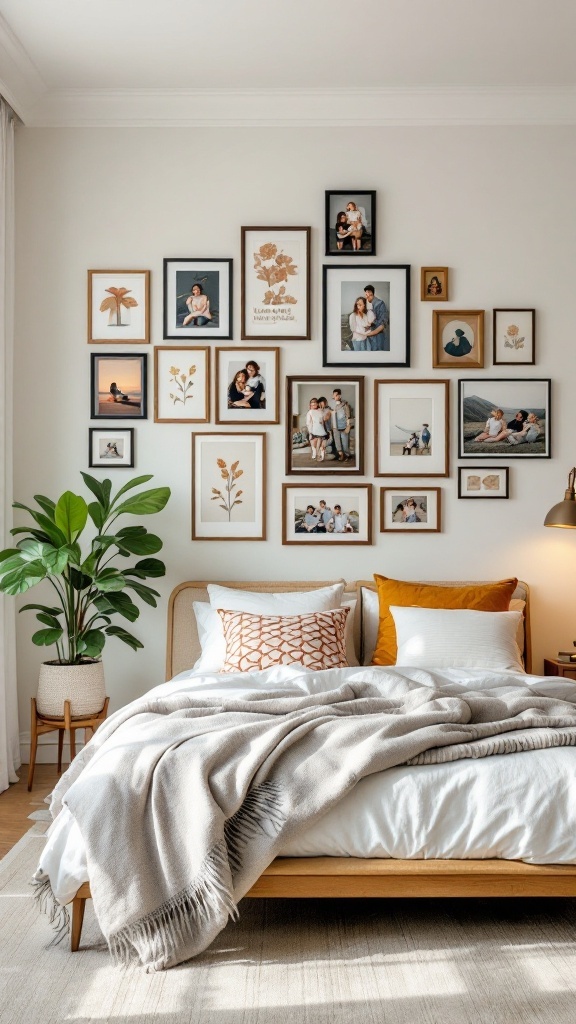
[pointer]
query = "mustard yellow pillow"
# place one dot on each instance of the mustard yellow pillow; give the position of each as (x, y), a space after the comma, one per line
(484, 597)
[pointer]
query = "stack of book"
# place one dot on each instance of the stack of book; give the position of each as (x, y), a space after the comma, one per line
(567, 656)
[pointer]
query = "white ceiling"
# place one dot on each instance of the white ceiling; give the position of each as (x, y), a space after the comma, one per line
(73, 61)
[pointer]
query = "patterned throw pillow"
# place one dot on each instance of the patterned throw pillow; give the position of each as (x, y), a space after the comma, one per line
(254, 642)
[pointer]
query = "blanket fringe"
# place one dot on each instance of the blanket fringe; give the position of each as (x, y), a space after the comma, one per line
(260, 814)
(47, 903)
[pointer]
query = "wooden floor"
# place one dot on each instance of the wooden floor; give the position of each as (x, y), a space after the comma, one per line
(16, 803)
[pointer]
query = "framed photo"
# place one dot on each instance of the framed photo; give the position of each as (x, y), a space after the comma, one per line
(182, 384)
(228, 486)
(351, 223)
(458, 338)
(366, 315)
(434, 284)
(198, 298)
(118, 386)
(332, 514)
(514, 337)
(248, 385)
(505, 419)
(118, 307)
(112, 449)
(416, 511)
(325, 425)
(275, 287)
(483, 482)
(411, 427)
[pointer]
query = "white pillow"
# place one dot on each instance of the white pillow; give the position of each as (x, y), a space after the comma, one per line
(457, 638)
(369, 621)
(211, 637)
(351, 656)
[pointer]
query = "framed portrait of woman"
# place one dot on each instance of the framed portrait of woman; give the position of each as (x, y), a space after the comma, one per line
(198, 298)
(247, 385)
(351, 223)
(366, 315)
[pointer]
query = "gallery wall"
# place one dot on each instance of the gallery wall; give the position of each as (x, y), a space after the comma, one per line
(496, 205)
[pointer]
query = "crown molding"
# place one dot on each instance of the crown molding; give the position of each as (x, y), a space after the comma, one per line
(20, 83)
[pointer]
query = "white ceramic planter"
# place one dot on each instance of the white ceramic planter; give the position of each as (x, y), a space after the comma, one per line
(83, 685)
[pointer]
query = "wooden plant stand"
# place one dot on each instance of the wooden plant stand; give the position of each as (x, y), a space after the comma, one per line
(39, 724)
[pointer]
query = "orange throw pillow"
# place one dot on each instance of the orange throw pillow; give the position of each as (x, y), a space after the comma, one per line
(484, 597)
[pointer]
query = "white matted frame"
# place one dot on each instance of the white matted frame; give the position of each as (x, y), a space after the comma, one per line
(264, 406)
(186, 282)
(228, 486)
(111, 447)
(342, 286)
(352, 525)
(118, 307)
(275, 285)
(414, 511)
(483, 482)
(181, 384)
(514, 337)
(412, 422)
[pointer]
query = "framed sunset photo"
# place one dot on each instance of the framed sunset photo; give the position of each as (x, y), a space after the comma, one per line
(118, 386)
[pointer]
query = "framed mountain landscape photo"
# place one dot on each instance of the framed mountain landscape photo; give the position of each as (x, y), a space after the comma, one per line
(504, 419)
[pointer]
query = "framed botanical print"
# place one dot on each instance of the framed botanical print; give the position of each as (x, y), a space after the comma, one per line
(514, 337)
(351, 223)
(198, 299)
(325, 425)
(434, 284)
(504, 419)
(118, 386)
(327, 513)
(182, 384)
(483, 482)
(411, 429)
(416, 511)
(275, 284)
(118, 307)
(228, 486)
(248, 385)
(111, 449)
(366, 315)
(458, 338)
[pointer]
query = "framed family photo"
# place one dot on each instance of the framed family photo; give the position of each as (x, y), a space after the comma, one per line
(351, 223)
(411, 432)
(182, 384)
(416, 511)
(514, 337)
(458, 339)
(198, 298)
(248, 385)
(118, 386)
(275, 284)
(434, 284)
(111, 449)
(504, 419)
(366, 315)
(325, 425)
(118, 307)
(483, 482)
(228, 486)
(332, 514)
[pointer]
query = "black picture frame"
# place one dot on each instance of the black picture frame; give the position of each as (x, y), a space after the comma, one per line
(316, 385)
(127, 463)
(484, 490)
(124, 408)
(359, 197)
(513, 396)
(342, 284)
(197, 270)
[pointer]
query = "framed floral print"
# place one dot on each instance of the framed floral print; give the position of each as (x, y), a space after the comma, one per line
(248, 385)
(416, 511)
(366, 315)
(504, 419)
(111, 449)
(228, 486)
(118, 307)
(411, 429)
(327, 513)
(182, 384)
(118, 386)
(198, 299)
(458, 339)
(514, 337)
(275, 284)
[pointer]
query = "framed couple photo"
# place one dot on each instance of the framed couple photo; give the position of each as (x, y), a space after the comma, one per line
(366, 315)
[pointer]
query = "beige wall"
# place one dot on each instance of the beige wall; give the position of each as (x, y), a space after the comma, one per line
(497, 205)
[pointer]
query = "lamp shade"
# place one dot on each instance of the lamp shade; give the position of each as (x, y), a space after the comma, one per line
(564, 513)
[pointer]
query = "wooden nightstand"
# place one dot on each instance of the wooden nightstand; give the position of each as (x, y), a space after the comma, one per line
(552, 667)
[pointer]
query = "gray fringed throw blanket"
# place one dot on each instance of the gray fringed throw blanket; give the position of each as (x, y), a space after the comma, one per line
(183, 801)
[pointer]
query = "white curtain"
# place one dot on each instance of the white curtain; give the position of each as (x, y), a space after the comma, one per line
(9, 739)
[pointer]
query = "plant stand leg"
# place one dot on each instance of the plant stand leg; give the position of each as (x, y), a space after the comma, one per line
(33, 743)
(78, 908)
(72, 744)
(60, 747)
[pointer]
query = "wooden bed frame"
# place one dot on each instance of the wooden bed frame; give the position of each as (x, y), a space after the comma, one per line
(341, 877)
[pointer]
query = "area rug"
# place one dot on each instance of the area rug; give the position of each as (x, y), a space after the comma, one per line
(302, 962)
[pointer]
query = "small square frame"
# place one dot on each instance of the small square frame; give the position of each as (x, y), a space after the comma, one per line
(428, 292)
(111, 436)
(392, 497)
(468, 320)
(481, 475)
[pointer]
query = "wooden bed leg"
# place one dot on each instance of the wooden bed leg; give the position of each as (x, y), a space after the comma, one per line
(78, 908)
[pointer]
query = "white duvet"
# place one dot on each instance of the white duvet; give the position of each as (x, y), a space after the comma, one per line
(518, 806)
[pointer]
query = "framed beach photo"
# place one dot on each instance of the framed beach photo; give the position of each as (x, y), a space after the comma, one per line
(181, 384)
(118, 386)
(228, 486)
(351, 223)
(325, 425)
(504, 419)
(248, 385)
(111, 449)
(118, 307)
(458, 339)
(275, 289)
(198, 298)
(434, 284)
(326, 514)
(483, 482)
(366, 315)
(416, 511)
(514, 337)
(411, 430)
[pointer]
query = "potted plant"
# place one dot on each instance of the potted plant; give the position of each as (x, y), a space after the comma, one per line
(88, 590)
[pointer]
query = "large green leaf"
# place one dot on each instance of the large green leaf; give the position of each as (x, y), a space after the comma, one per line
(54, 534)
(141, 543)
(70, 515)
(38, 534)
(146, 503)
(97, 514)
(124, 605)
(97, 488)
(109, 580)
(16, 561)
(145, 593)
(48, 620)
(126, 637)
(92, 643)
(46, 637)
(79, 580)
(41, 608)
(32, 549)
(132, 483)
(7, 553)
(46, 504)
(147, 567)
(20, 580)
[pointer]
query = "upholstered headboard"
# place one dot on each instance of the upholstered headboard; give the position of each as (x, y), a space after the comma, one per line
(183, 646)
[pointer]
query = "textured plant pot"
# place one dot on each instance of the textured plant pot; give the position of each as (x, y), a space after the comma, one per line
(83, 685)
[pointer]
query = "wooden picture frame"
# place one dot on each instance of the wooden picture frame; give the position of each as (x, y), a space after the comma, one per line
(385, 287)
(118, 385)
(514, 337)
(111, 448)
(522, 405)
(176, 385)
(341, 451)
(458, 339)
(118, 307)
(346, 242)
(434, 284)
(275, 283)
(415, 511)
(483, 482)
(411, 419)
(352, 525)
(202, 286)
(219, 461)
(229, 361)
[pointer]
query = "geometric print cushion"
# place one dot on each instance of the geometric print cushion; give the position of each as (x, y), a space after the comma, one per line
(254, 642)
